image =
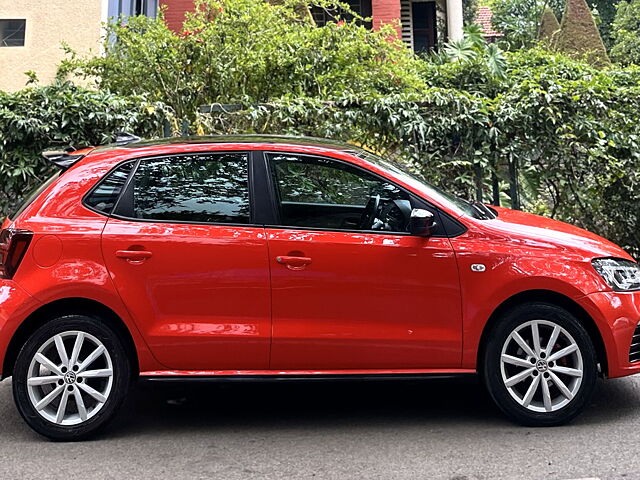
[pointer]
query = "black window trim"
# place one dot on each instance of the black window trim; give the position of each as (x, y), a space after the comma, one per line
(104, 179)
(415, 199)
(265, 208)
(129, 184)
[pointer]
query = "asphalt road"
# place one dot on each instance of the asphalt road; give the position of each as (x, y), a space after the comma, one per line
(377, 430)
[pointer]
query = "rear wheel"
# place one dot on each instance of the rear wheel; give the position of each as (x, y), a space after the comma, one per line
(540, 365)
(70, 378)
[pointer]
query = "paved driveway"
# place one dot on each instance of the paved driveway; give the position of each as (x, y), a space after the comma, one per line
(432, 429)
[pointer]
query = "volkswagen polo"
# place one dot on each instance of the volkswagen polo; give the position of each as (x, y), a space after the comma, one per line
(280, 257)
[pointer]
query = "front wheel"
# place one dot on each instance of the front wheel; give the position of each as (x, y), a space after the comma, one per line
(540, 365)
(70, 378)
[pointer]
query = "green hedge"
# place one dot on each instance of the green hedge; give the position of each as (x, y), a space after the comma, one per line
(61, 116)
(572, 131)
(579, 36)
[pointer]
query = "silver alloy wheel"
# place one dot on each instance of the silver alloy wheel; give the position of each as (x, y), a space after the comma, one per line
(541, 366)
(70, 378)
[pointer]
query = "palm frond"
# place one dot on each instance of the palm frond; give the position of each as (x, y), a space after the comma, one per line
(460, 50)
(496, 62)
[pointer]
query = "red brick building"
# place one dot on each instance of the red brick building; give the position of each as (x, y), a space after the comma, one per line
(420, 23)
(484, 19)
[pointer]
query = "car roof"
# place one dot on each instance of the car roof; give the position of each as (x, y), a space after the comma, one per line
(239, 139)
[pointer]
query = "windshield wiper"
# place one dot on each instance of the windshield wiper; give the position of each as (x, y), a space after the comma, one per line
(485, 211)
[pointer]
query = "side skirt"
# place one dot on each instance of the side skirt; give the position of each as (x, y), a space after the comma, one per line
(299, 375)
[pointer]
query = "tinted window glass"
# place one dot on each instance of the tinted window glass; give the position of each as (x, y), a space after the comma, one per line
(196, 188)
(321, 193)
(106, 194)
(420, 183)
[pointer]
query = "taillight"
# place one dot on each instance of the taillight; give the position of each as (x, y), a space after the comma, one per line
(13, 246)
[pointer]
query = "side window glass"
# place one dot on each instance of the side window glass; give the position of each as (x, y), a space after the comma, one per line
(106, 194)
(193, 188)
(321, 193)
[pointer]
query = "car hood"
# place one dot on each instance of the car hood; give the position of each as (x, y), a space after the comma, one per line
(536, 231)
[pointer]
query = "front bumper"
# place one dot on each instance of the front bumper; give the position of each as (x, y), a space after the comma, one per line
(616, 315)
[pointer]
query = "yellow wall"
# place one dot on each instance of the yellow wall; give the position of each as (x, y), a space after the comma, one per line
(49, 23)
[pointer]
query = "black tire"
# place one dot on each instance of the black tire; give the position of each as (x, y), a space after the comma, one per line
(492, 368)
(121, 379)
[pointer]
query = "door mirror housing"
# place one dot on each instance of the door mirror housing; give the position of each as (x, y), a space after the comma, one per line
(421, 222)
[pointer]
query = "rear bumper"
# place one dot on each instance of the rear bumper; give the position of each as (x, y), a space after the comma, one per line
(15, 306)
(617, 316)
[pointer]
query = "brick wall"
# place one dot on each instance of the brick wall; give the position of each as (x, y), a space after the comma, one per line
(174, 12)
(383, 11)
(386, 12)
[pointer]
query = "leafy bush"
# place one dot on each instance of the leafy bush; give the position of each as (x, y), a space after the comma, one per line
(626, 33)
(470, 11)
(468, 64)
(579, 36)
(607, 11)
(250, 51)
(519, 20)
(61, 116)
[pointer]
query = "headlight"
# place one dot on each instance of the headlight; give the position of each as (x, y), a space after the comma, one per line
(621, 275)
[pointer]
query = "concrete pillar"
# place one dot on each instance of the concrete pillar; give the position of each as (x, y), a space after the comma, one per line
(455, 19)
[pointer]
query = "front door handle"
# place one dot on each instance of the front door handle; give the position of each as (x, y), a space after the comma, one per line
(134, 256)
(293, 263)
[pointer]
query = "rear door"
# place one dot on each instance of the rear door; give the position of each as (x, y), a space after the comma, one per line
(190, 264)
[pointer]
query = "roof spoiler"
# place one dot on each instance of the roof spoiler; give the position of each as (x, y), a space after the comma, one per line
(62, 159)
(124, 138)
(65, 159)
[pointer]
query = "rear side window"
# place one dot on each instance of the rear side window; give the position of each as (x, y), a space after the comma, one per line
(212, 188)
(104, 197)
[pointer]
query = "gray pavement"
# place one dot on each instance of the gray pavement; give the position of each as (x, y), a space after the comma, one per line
(433, 429)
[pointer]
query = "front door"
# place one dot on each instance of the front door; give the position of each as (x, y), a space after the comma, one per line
(424, 22)
(189, 264)
(351, 289)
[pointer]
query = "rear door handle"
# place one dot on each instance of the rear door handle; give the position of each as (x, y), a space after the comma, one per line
(293, 263)
(134, 256)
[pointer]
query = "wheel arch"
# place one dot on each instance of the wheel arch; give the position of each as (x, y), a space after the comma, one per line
(69, 306)
(552, 298)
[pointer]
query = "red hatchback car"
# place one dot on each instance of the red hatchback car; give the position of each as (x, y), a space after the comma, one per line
(292, 257)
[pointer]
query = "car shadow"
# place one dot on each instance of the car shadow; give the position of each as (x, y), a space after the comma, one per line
(436, 404)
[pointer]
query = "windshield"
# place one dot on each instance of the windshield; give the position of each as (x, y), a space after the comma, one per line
(458, 204)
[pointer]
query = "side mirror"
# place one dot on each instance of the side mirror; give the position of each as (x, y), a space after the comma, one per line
(421, 222)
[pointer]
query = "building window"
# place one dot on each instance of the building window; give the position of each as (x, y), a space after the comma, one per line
(419, 20)
(12, 33)
(129, 8)
(144, 7)
(361, 7)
